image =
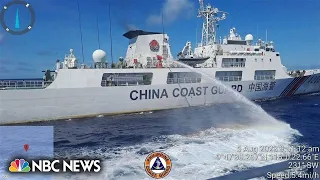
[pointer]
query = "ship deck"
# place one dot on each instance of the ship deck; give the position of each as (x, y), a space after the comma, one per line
(16, 84)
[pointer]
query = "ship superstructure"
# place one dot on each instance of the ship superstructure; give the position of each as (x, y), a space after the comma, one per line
(149, 78)
(232, 55)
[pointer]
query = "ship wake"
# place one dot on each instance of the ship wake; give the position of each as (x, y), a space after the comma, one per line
(197, 137)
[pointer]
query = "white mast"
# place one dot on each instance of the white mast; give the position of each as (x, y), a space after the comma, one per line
(211, 18)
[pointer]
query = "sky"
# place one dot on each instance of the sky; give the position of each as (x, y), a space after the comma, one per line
(293, 25)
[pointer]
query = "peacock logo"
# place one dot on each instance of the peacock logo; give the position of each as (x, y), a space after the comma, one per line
(19, 165)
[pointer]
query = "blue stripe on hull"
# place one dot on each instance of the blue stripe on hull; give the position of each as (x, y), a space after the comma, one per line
(293, 86)
(298, 85)
(287, 89)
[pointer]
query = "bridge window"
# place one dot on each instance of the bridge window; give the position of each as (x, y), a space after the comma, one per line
(183, 77)
(264, 74)
(237, 42)
(126, 79)
(229, 75)
(233, 62)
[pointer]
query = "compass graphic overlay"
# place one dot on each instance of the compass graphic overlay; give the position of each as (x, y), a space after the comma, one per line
(17, 26)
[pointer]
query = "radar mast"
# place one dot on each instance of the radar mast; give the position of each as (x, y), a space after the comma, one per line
(211, 16)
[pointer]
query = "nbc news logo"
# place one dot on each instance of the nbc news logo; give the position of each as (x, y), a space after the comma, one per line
(21, 165)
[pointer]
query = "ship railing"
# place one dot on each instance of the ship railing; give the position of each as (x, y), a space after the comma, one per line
(132, 82)
(243, 53)
(233, 64)
(198, 79)
(23, 84)
(183, 80)
(229, 78)
(264, 77)
(124, 78)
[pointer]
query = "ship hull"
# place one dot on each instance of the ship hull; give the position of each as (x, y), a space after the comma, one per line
(22, 106)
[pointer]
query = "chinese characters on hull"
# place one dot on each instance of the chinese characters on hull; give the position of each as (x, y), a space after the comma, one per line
(262, 86)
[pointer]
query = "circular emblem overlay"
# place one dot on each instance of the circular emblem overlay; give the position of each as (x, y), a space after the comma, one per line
(18, 31)
(154, 45)
(157, 165)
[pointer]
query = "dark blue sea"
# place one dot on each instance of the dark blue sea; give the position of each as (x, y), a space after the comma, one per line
(192, 137)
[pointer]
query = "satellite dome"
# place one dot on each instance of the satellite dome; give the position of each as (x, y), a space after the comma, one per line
(99, 56)
(249, 37)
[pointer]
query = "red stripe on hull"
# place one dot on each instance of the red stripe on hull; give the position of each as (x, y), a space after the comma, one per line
(296, 86)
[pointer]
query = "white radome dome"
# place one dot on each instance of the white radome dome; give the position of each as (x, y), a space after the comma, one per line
(99, 56)
(249, 37)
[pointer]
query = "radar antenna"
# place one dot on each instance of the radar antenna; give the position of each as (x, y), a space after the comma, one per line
(211, 16)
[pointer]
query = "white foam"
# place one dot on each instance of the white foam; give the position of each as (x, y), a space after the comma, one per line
(193, 156)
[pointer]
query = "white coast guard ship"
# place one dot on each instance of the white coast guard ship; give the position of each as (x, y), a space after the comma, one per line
(149, 79)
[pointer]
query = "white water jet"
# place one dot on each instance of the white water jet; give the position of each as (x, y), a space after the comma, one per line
(257, 111)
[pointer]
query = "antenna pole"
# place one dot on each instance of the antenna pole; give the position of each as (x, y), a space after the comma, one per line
(80, 30)
(196, 35)
(110, 36)
(257, 31)
(266, 35)
(163, 40)
(98, 31)
(162, 33)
